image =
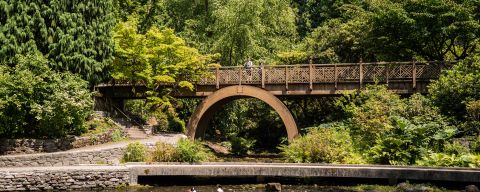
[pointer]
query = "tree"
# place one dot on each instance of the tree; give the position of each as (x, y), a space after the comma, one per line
(314, 13)
(256, 29)
(430, 30)
(159, 58)
(37, 102)
(73, 35)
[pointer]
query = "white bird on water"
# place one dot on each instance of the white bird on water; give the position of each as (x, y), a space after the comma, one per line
(219, 188)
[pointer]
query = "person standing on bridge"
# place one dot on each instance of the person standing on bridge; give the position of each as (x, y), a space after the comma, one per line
(248, 67)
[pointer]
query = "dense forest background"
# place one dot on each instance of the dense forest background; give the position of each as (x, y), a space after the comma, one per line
(52, 53)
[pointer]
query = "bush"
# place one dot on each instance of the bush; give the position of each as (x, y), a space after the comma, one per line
(329, 145)
(191, 151)
(450, 160)
(456, 87)
(241, 146)
(164, 153)
(36, 102)
(370, 113)
(136, 152)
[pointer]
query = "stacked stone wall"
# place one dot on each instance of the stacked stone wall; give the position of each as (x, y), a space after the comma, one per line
(104, 156)
(30, 146)
(63, 179)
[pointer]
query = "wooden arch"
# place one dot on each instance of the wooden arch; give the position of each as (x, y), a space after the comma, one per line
(198, 122)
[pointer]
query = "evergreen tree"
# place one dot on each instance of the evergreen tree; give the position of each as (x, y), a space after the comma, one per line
(74, 35)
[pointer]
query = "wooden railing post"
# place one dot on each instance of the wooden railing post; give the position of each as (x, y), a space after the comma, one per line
(286, 77)
(336, 75)
(414, 75)
(262, 71)
(310, 75)
(361, 73)
(387, 67)
(239, 76)
(217, 78)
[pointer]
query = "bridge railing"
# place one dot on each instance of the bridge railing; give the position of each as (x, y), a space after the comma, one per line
(382, 72)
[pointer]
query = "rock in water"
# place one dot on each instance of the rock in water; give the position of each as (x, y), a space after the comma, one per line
(471, 188)
(273, 187)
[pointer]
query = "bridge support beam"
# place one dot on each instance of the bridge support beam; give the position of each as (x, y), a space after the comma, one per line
(200, 119)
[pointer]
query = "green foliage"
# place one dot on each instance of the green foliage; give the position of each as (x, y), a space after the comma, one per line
(450, 160)
(157, 58)
(36, 102)
(456, 87)
(191, 151)
(74, 36)
(253, 29)
(370, 113)
(136, 152)
(241, 146)
(185, 151)
(164, 153)
(97, 126)
(250, 119)
(331, 144)
(433, 30)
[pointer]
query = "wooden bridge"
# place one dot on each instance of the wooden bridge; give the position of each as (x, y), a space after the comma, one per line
(224, 84)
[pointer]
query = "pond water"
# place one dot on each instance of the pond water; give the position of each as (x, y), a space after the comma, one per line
(242, 188)
(289, 188)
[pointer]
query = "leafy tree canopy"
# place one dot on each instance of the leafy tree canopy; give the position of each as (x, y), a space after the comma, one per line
(157, 58)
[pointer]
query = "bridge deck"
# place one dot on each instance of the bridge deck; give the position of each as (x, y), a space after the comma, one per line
(302, 80)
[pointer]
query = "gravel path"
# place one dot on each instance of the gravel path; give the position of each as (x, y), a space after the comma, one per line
(170, 138)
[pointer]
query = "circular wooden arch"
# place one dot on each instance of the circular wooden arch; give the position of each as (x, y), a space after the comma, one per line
(204, 112)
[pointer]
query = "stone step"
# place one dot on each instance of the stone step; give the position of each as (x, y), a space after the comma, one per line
(136, 133)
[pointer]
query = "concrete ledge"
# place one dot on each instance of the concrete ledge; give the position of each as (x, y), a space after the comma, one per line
(95, 176)
(308, 170)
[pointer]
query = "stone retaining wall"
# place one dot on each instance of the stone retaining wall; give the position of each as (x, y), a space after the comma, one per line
(62, 179)
(29, 146)
(104, 156)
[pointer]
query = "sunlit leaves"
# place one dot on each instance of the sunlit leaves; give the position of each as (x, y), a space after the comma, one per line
(158, 58)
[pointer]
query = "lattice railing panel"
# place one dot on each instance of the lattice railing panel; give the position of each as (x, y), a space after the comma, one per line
(298, 75)
(400, 71)
(229, 76)
(252, 76)
(275, 75)
(428, 71)
(348, 73)
(208, 79)
(323, 74)
(374, 73)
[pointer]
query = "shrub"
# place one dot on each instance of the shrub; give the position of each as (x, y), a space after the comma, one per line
(370, 113)
(329, 145)
(191, 151)
(176, 124)
(37, 102)
(241, 146)
(164, 152)
(450, 160)
(456, 87)
(135, 152)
